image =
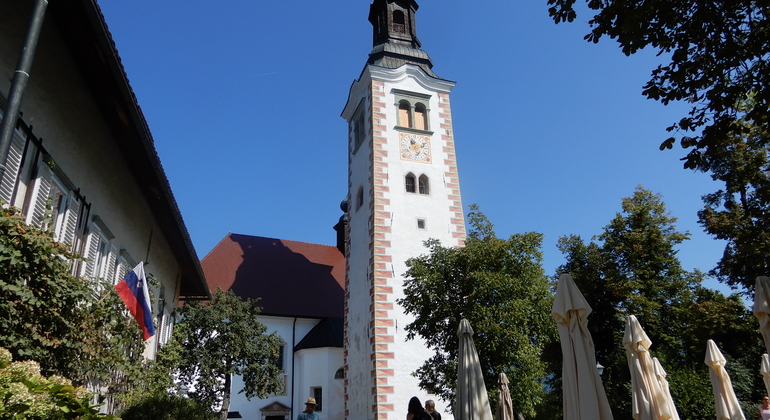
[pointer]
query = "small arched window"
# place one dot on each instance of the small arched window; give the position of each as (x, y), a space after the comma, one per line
(420, 117)
(409, 183)
(339, 374)
(399, 22)
(404, 114)
(424, 187)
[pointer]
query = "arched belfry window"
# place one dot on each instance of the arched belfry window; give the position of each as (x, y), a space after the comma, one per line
(404, 114)
(409, 183)
(399, 24)
(424, 186)
(420, 117)
(413, 110)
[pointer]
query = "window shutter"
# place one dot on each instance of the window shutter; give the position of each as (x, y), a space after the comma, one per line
(71, 219)
(42, 190)
(92, 251)
(109, 269)
(12, 165)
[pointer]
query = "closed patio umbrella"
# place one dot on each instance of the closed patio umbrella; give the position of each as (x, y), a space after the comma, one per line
(661, 375)
(727, 406)
(762, 308)
(648, 399)
(471, 401)
(765, 371)
(583, 393)
(504, 403)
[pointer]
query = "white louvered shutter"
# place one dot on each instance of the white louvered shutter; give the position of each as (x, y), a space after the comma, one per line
(92, 253)
(123, 269)
(12, 165)
(40, 198)
(71, 219)
(109, 266)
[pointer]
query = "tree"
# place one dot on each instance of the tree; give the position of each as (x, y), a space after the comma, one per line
(498, 285)
(68, 325)
(738, 212)
(222, 338)
(719, 55)
(632, 268)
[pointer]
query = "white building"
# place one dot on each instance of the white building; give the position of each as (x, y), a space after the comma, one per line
(403, 188)
(82, 149)
(301, 291)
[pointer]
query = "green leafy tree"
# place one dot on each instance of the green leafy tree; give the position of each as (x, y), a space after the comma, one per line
(632, 268)
(222, 338)
(498, 285)
(718, 55)
(737, 213)
(73, 327)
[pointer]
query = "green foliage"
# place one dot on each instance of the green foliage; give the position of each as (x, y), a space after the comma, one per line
(40, 313)
(168, 407)
(737, 213)
(75, 328)
(498, 285)
(26, 394)
(718, 52)
(221, 338)
(632, 268)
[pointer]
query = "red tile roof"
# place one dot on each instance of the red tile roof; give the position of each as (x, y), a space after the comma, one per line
(294, 279)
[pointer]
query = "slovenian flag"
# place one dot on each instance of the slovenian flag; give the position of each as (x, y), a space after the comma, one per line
(133, 290)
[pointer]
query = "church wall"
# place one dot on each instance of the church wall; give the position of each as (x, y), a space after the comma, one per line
(316, 369)
(286, 329)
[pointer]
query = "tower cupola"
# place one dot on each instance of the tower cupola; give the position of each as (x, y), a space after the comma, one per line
(395, 35)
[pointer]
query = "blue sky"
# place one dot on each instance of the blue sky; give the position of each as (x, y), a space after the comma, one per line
(243, 99)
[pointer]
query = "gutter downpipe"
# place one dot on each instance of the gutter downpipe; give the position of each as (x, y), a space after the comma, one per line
(293, 343)
(19, 82)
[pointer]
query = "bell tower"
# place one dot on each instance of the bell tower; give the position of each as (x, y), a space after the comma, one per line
(403, 188)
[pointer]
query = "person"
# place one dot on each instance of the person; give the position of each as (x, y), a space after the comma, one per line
(763, 411)
(416, 412)
(430, 408)
(309, 413)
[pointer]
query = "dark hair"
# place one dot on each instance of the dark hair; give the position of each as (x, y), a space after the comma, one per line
(415, 406)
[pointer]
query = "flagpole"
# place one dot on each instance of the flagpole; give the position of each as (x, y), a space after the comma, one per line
(19, 82)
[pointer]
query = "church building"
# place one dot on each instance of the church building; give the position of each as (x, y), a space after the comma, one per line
(337, 312)
(403, 188)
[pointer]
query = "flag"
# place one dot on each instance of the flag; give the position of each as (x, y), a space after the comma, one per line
(134, 292)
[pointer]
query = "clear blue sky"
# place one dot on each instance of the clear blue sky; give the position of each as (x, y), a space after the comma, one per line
(243, 99)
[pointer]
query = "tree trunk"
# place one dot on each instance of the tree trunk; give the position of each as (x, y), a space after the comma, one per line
(226, 398)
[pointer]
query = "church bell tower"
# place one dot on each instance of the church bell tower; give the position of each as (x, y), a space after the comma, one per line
(403, 188)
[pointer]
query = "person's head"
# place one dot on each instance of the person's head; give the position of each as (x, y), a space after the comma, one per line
(415, 406)
(310, 405)
(430, 406)
(765, 400)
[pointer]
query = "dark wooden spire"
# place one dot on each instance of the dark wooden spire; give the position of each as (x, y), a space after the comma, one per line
(395, 40)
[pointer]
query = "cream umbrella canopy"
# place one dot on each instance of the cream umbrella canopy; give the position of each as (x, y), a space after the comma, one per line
(648, 399)
(661, 375)
(727, 406)
(762, 308)
(764, 369)
(504, 403)
(471, 401)
(583, 393)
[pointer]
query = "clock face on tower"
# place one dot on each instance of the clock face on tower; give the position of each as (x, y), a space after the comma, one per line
(415, 147)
